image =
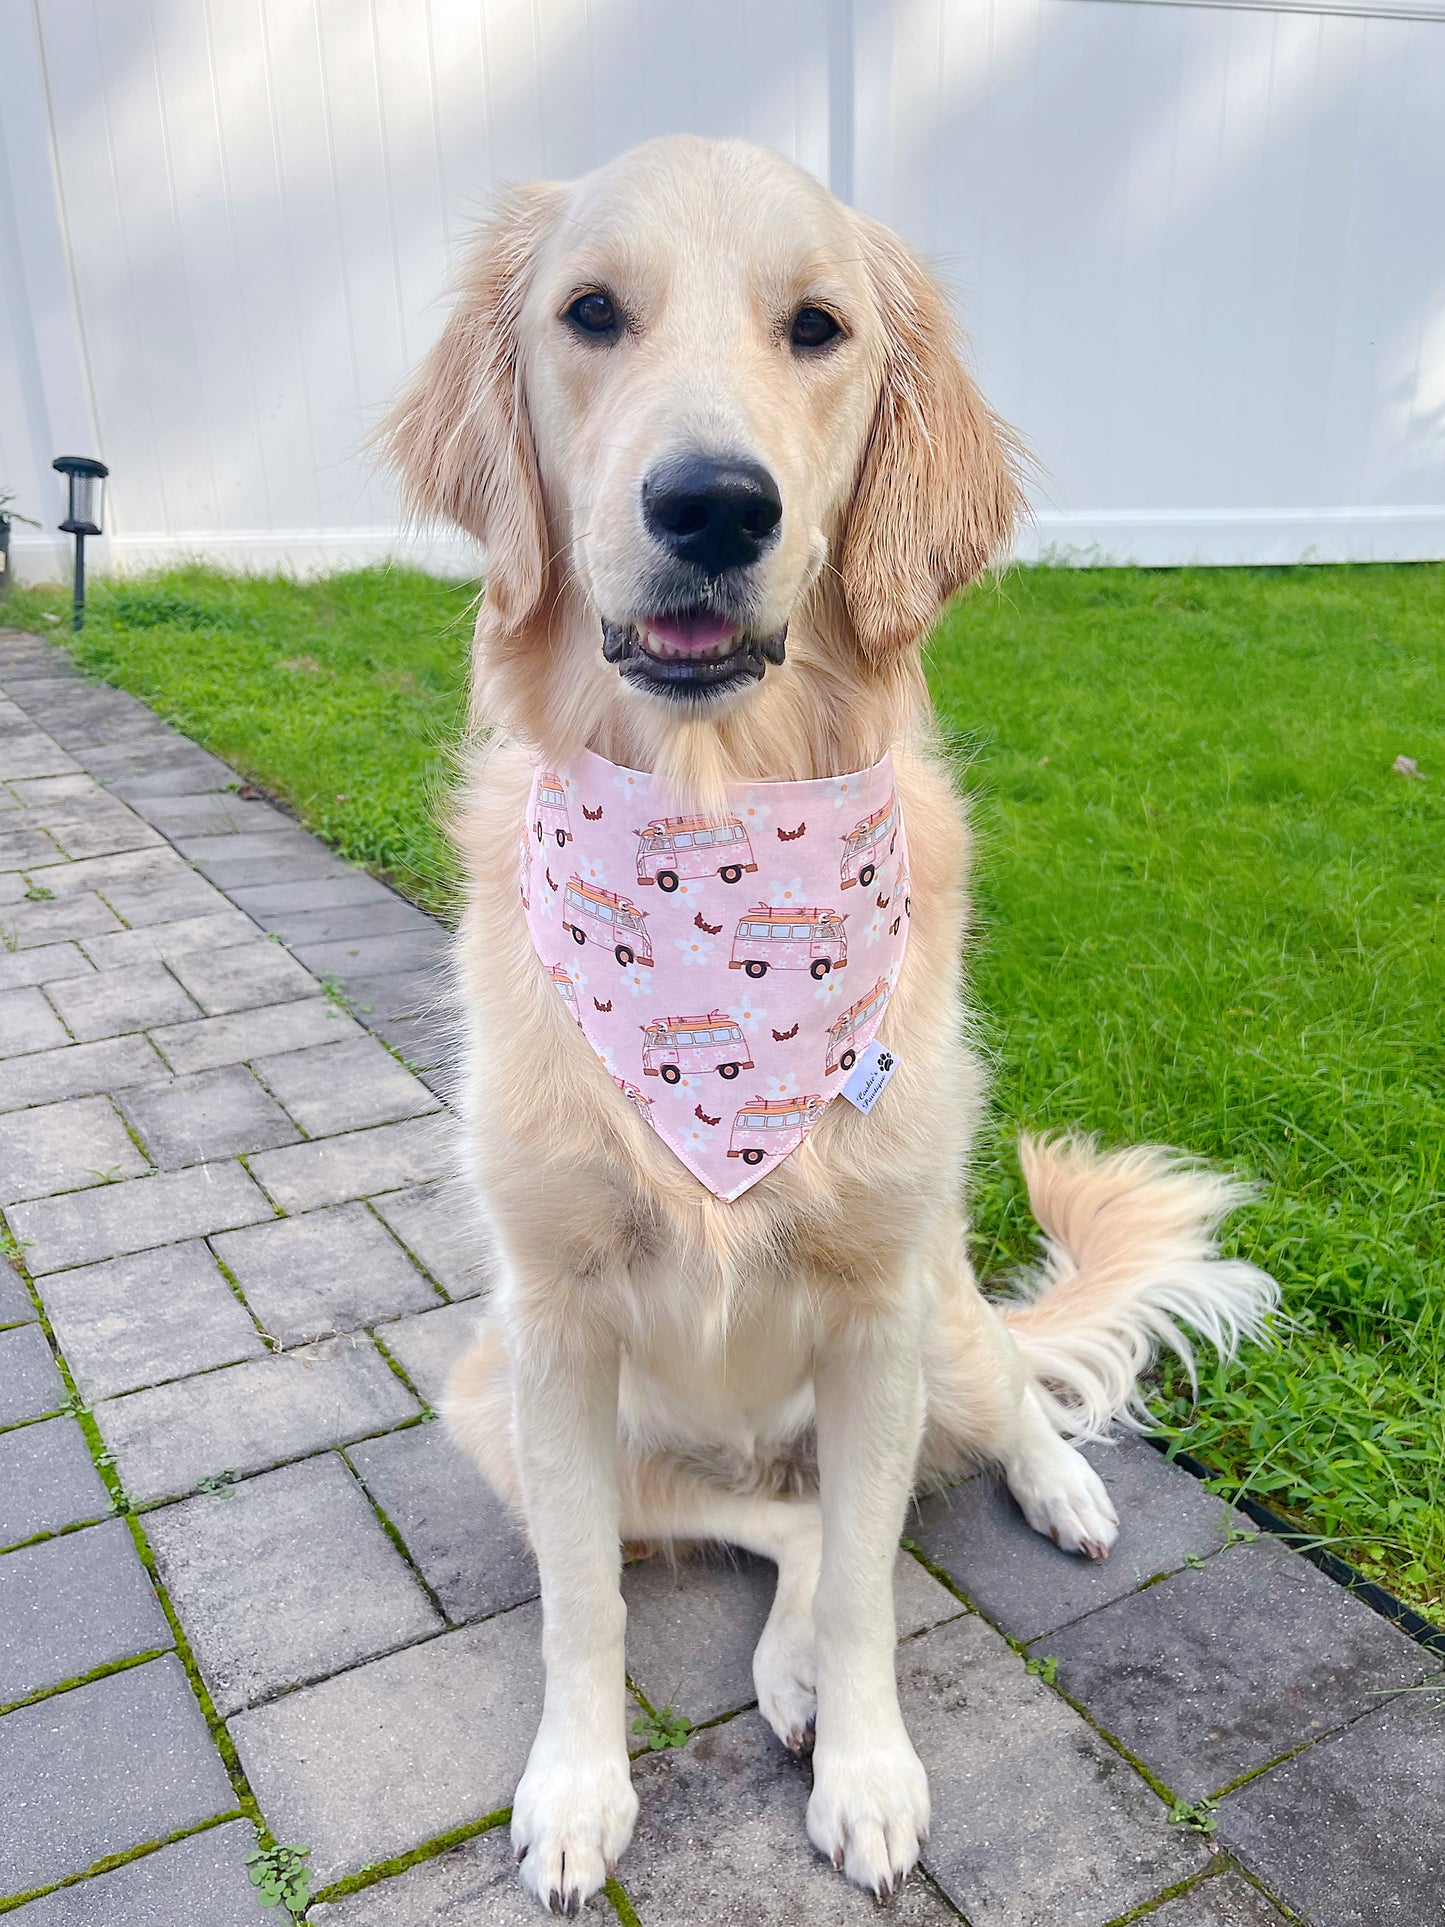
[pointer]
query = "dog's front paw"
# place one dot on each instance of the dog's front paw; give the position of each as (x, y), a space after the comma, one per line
(571, 1819)
(1064, 1498)
(869, 1810)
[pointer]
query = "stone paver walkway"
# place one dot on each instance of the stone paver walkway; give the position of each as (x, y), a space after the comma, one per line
(247, 1580)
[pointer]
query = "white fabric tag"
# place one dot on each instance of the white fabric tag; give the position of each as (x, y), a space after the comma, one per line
(870, 1074)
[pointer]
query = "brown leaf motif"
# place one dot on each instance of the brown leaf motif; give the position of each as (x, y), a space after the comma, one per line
(791, 836)
(593, 816)
(699, 1112)
(783, 1036)
(551, 880)
(604, 1008)
(711, 928)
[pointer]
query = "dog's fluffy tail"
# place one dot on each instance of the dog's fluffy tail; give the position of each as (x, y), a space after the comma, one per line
(1130, 1264)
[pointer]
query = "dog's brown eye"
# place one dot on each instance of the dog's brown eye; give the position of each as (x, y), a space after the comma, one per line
(813, 328)
(594, 314)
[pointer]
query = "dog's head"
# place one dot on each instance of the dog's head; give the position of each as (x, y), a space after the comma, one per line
(684, 402)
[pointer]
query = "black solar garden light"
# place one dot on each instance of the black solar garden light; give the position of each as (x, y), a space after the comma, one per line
(86, 478)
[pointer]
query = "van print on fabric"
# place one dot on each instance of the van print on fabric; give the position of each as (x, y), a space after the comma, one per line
(728, 971)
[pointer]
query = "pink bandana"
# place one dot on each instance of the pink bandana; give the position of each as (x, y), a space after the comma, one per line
(729, 973)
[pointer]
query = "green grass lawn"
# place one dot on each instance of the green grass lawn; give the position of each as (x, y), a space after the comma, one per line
(1209, 916)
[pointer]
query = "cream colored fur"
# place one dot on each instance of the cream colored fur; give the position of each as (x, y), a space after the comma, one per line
(778, 1372)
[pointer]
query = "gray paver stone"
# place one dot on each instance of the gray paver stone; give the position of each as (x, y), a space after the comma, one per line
(271, 903)
(103, 833)
(285, 1579)
(31, 753)
(424, 1044)
(47, 1480)
(208, 1114)
(15, 1305)
(184, 770)
(324, 1272)
(472, 1553)
(80, 1070)
(369, 916)
(118, 1218)
(468, 1885)
(721, 1836)
(1008, 1853)
(243, 977)
(233, 862)
(343, 1087)
(251, 1416)
(197, 1882)
(28, 1023)
(427, 1346)
(395, 1752)
(1228, 1900)
(72, 1604)
(1213, 1672)
(1026, 1585)
(211, 1041)
(27, 850)
(102, 1768)
(401, 993)
(158, 942)
(32, 926)
(441, 1225)
(1348, 1832)
(30, 1385)
(330, 1170)
(149, 1316)
(172, 899)
(218, 813)
(132, 998)
(64, 1147)
(692, 1626)
(47, 965)
(422, 949)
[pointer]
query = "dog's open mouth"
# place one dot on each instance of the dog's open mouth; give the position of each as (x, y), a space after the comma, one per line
(690, 655)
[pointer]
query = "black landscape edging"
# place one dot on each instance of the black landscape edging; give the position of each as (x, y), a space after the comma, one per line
(1422, 1630)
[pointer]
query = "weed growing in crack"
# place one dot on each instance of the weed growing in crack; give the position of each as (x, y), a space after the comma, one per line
(281, 1878)
(665, 1728)
(1198, 1816)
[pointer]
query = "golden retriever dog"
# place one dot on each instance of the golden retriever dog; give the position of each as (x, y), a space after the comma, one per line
(700, 322)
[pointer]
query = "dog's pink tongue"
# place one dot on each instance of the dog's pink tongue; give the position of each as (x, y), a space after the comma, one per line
(701, 633)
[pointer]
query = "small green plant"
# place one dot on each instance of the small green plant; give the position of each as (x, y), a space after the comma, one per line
(665, 1728)
(107, 1173)
(37, 893)
(218, 1481)
(281, 1878)
(14, 1248)
(1199, 1816)
(1193, 1559)
(1239, 1535)
(1046, 1669)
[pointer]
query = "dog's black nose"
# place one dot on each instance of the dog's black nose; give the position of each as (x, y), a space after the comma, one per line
(716, 515)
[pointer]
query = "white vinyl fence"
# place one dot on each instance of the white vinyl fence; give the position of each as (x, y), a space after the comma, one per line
(1199, 245)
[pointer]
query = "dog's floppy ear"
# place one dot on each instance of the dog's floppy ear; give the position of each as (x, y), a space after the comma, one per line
(459, 432)
(938, 494)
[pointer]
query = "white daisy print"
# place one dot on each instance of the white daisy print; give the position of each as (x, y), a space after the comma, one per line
(782, 1087)
(638, 983)
(829, 992)
(748, 1014)
(788, 895)
(841, 790)
(696, 948)
(752, 812)
(632, 781)
(875, 927)
(594, 871)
